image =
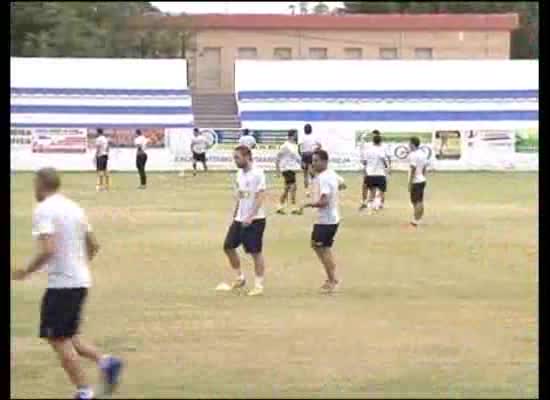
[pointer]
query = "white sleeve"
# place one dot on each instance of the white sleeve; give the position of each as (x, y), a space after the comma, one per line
(324, 185)
(42, 223)
(260, 182)
(413, 161)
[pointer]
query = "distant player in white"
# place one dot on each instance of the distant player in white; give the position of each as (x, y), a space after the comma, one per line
(102, 159)
(375, 161)
(199, 145)
(249, 220)
(287, 163)
(326, 186)
(419, 163)
(141, 158)
(65, 245)
(247, 140)
(308, 144)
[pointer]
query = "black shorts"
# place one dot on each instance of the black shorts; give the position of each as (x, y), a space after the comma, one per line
(376, 182)
(251, 237)
(101, 163)
(200, 157)
(307, 159)
(61, 311)
(323, 235)
(417, 192)
(290, 177)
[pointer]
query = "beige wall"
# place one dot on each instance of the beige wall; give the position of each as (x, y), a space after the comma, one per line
(444, 45)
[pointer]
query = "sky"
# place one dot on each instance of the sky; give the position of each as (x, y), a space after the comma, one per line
(233, 7)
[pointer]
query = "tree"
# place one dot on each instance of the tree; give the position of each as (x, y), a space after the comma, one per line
(321, 8)
(303, 6)
(292, 8)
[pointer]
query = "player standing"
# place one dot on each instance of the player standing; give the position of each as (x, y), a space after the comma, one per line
(249, 220)
(102, 159)
(376, 168)
(307, 146)
(141, 158)
(199, 145)
(419, 162)
(326, 185)
(66, 244)
(288, 161)
(247, 140)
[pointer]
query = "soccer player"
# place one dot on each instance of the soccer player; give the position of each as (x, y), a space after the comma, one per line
(66, 244)
(288, 161)
(376, 167)
(417, 179)
(141, 158)
(102, 158)
(326, 186)
(249, 220)
(247, 140)
(199, 145)
(307, 146)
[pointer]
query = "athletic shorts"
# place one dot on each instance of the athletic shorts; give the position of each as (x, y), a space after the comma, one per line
(200, 157)
(251, 237)
(417, 192)
(61, 312)
(290, 177)
(376, 182)
(307, 159)
(101, 163)
(323, 235)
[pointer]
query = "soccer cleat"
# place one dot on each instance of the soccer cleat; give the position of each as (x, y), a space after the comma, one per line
(238, 284)
(362, 207)
(281, 211)
(111, 373)
(297, 211)
(257, 291)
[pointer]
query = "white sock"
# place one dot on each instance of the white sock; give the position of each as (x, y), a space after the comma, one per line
(240, 275)
(260, 281)
(377, 203)
(85, 392)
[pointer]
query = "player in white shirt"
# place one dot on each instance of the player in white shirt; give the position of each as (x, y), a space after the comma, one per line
(199, 145)
(102, 159)
(326, 186)
(65, 245)
(308, 145)
(288, 161)
(141, 158)
(419, 163)
(249, 220)
(247, 140)
(375, 161)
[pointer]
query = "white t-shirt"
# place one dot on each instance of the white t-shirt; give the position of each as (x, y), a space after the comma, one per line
(248, 141)
(419, 160)
(309, 143)
(289, 159)
(66, 220)
(327, 182)
(376, 158)
(199, 144)
(102, 146)
(248, 184)
(141, 142)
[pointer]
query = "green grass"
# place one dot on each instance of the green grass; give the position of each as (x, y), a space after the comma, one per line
(449, 310)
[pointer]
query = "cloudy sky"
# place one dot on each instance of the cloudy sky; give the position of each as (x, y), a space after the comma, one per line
(232, 7)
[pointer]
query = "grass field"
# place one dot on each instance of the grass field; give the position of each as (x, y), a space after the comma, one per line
(449, 310)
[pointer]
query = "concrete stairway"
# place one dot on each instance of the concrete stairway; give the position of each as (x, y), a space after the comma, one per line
(215, 110)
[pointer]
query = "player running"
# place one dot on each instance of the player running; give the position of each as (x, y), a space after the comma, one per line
(419, 163)
(199, 145)
(375, 161)
(249, 220)
(66, 244)
(288, 161)
(307, 146)
(102, 159)
(326, 185)
(247, 140)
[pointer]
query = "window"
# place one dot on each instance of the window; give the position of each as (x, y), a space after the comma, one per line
(423, 53)
(388, 53)
(318, 53)
(248, 53)
(282, 53)
(353, 53)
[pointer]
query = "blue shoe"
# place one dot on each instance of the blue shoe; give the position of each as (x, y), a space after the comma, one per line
(111, 373)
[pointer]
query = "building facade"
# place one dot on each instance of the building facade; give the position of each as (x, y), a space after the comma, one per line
(215, 41)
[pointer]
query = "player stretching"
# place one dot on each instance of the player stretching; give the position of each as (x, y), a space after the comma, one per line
(247, 140)
(307, 146)
(199, 144)
(376, 167)
(66, 243)
(288, 161)
(417, 179)
(102, 159)
(249, 220)
(326, 186)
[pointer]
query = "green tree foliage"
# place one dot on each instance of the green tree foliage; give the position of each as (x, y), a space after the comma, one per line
(321, 8)
(525, 40)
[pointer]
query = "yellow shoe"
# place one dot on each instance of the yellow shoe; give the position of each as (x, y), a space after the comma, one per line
(257, 291)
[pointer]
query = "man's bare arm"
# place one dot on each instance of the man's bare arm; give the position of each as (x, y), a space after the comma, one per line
(92, 246)
(46, 249)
